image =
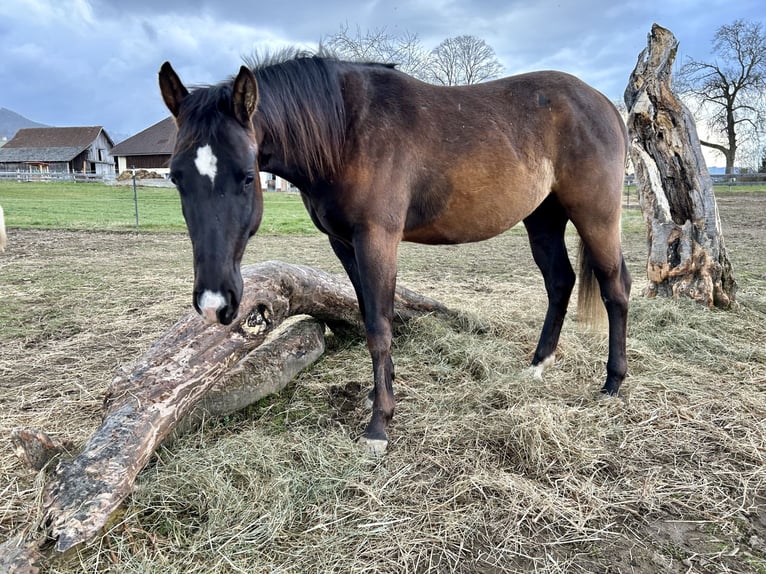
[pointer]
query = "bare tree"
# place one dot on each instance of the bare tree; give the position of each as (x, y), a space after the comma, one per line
(379, 45)
(463, 60)
(458, 60)
(731, 90)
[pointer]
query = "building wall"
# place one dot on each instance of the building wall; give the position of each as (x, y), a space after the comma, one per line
(158, 163)
(31, 167)
(99, 158)
(270, 182)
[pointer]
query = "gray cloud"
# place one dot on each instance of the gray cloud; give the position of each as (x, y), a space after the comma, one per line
(94, 62)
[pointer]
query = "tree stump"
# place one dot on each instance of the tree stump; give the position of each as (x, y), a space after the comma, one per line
(192, 372)
(686, 256)
(3, 237)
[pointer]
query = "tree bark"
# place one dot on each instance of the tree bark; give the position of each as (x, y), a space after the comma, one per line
(687, 256)
(192, 372)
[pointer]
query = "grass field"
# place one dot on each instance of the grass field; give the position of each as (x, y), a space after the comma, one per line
(487, 472)
(92, 206)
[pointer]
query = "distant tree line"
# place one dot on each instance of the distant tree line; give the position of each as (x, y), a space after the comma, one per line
(455, 61)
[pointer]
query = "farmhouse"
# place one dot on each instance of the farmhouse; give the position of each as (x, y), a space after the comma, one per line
(150, 149)
(68, 150)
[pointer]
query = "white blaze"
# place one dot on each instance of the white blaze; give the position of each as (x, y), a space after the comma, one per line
(206, 162)
(209, 304)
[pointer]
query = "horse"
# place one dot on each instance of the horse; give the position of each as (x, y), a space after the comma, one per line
(380, 157)
(3, 237)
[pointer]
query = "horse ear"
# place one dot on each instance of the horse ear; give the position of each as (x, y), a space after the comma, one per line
(245, 96)
(172, 89)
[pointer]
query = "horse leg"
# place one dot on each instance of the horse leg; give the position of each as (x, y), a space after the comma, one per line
(545, 229)
(373, 273)
(345, 253)
(603, 253)
(615, 281)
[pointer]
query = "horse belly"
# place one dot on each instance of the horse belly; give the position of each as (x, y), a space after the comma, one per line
(464, 225)
(479, 207)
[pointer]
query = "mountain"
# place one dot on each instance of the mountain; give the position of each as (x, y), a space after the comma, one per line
(11, 122)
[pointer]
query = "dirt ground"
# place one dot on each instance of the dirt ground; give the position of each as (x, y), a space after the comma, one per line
(76, 306)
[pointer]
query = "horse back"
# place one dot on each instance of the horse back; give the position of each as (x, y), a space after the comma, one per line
(465, 163)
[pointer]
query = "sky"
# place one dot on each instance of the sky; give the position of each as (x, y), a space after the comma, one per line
(95, 62)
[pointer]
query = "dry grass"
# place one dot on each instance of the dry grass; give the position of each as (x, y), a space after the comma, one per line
(488, 470)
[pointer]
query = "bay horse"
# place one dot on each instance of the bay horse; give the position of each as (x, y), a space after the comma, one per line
(380, 157)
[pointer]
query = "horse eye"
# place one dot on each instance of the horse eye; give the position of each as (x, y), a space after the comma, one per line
(249, 178)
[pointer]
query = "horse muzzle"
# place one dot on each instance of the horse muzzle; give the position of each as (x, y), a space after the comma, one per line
(215, 306)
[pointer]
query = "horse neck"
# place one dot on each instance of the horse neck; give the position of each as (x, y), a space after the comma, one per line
(303, 123)
(283, 164)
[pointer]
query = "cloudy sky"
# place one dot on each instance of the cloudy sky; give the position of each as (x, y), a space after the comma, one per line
(95, 62)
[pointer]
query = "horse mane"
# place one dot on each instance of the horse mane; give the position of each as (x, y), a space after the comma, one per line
(301, 105)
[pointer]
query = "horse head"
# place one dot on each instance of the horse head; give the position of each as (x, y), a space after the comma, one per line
(215, 169)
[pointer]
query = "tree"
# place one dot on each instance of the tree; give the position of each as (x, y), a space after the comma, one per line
(731, 90)
(463, 60)
(686, 255)
(458, 60)
(379, 45)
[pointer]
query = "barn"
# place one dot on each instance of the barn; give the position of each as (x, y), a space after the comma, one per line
(69, 150)
(150, 149)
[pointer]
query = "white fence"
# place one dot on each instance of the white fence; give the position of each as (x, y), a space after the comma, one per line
(718, 179)
(737, 179)
(54, 176)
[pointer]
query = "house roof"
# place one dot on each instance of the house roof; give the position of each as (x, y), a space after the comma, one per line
(50, 144)
(159, 139)
(38, 154)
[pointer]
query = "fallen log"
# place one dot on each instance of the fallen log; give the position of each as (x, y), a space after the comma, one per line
(192, 372)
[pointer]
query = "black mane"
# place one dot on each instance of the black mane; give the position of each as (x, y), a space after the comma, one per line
(300, 105)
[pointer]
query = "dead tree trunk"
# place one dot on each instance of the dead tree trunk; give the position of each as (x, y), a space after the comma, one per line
(687, 256)
(194, 371)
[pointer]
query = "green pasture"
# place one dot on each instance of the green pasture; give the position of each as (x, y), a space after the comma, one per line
(92, 206)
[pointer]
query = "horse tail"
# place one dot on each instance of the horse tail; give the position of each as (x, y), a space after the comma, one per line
(590, 307)
(3, 238)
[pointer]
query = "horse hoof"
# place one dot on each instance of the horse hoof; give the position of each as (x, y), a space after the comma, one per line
(605, 396)
(373, 446)
(536, 371)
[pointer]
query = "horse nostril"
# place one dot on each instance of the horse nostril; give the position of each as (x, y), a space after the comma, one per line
(227, 313)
